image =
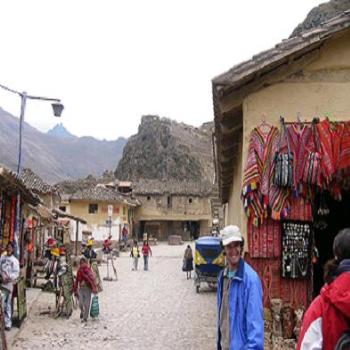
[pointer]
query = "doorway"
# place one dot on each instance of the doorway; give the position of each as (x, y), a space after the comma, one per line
(326, 228)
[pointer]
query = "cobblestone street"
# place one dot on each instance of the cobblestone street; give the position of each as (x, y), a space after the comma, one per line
(158, 309)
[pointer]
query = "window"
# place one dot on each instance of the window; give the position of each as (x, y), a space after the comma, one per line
(124, 210)
(190, 200)
(62, 208)
(169, 201)
(148, 198)
(93, 208)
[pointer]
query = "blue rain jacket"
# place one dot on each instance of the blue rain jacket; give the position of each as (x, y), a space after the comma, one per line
(246, 309)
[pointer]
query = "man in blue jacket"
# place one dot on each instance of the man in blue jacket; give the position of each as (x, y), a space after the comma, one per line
(240, 298)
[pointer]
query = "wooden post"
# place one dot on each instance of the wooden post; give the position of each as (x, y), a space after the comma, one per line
(76, 238)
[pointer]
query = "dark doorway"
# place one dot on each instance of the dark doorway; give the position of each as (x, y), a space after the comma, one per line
(194, 228)
(326, 228)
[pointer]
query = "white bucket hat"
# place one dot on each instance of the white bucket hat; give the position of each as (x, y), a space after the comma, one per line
(230, 234)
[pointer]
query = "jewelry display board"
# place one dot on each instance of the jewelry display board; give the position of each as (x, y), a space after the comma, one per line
(296, 249)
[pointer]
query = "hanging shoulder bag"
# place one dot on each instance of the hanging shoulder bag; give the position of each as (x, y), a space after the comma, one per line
(283, 176)
(311, 173)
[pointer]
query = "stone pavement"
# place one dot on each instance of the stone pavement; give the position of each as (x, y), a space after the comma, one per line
(158, 309)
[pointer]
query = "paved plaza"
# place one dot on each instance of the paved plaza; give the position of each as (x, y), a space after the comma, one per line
(156, 309)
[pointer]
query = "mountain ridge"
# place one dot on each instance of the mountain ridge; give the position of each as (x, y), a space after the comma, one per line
(53, 158)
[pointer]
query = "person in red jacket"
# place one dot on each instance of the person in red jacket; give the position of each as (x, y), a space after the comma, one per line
(328, 316)
(146, 252)
(84, 285)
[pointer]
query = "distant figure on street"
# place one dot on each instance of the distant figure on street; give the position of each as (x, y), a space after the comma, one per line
(107, 245)
(89, 252)
(239, 298)
(9, 272)
(146, 252)
(188, 262)
(125, 234)
(327, 320)
(84, 286)
(135, 254)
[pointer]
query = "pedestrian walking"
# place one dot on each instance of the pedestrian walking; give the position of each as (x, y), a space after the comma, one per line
(146, 252)
(188, 262)
(91, 256)
(135, 254)
(327, 319)
(84, 287)
(240, 298)
(9, 272)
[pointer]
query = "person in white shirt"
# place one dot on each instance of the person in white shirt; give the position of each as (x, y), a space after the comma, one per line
(9, 272)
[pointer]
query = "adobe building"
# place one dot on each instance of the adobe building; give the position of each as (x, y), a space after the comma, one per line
(172, 208)
(302, 78)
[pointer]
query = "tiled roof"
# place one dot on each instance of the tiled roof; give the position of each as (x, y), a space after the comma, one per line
(144, 187)
(35, 182)
(9, 181)
(101, 193)
(240, 73)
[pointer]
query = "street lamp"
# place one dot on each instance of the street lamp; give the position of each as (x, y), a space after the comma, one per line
(57, 107)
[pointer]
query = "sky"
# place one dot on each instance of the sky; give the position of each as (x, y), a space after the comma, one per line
(112, 61)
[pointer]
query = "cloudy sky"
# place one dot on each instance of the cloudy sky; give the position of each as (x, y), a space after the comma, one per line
(112, 61)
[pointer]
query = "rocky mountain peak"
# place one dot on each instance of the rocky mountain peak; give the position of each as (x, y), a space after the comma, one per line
(164, 149)
(60, 131)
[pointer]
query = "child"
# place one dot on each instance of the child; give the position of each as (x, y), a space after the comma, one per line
(84, 286)
(135, 254)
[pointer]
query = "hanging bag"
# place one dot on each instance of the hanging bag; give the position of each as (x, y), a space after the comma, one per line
(283, 176)
(311, 173)
(94, 308)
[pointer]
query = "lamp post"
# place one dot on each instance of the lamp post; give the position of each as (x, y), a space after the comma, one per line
(57, 107)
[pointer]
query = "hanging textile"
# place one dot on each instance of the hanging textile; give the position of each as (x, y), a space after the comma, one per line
(17, 229)
(258, 194)
(299, 138)
(265, 241)
(300, 209)
(13, 218)
(327, 163)
(343, 169)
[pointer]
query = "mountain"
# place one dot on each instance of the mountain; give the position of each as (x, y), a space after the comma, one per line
(164, 149)
(54, 158)
(60, 131)
(322, 13)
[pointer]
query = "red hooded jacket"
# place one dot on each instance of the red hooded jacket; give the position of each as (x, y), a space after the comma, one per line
(328, 316)
(85, 275)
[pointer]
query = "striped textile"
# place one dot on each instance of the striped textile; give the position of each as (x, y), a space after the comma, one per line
(261, 198)
(343, 169)
(300, 137)
(265, 241)
(327, 163)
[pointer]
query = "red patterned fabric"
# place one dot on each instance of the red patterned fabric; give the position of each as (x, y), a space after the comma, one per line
(327, 164)
(13, 218)
(295, 292)
(258, 194)
(299, 138)
(300, 209)
(265, 241)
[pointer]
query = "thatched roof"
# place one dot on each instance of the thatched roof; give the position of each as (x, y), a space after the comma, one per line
(158, 187)
(35, 182)
(264, 69)
(11, 183)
